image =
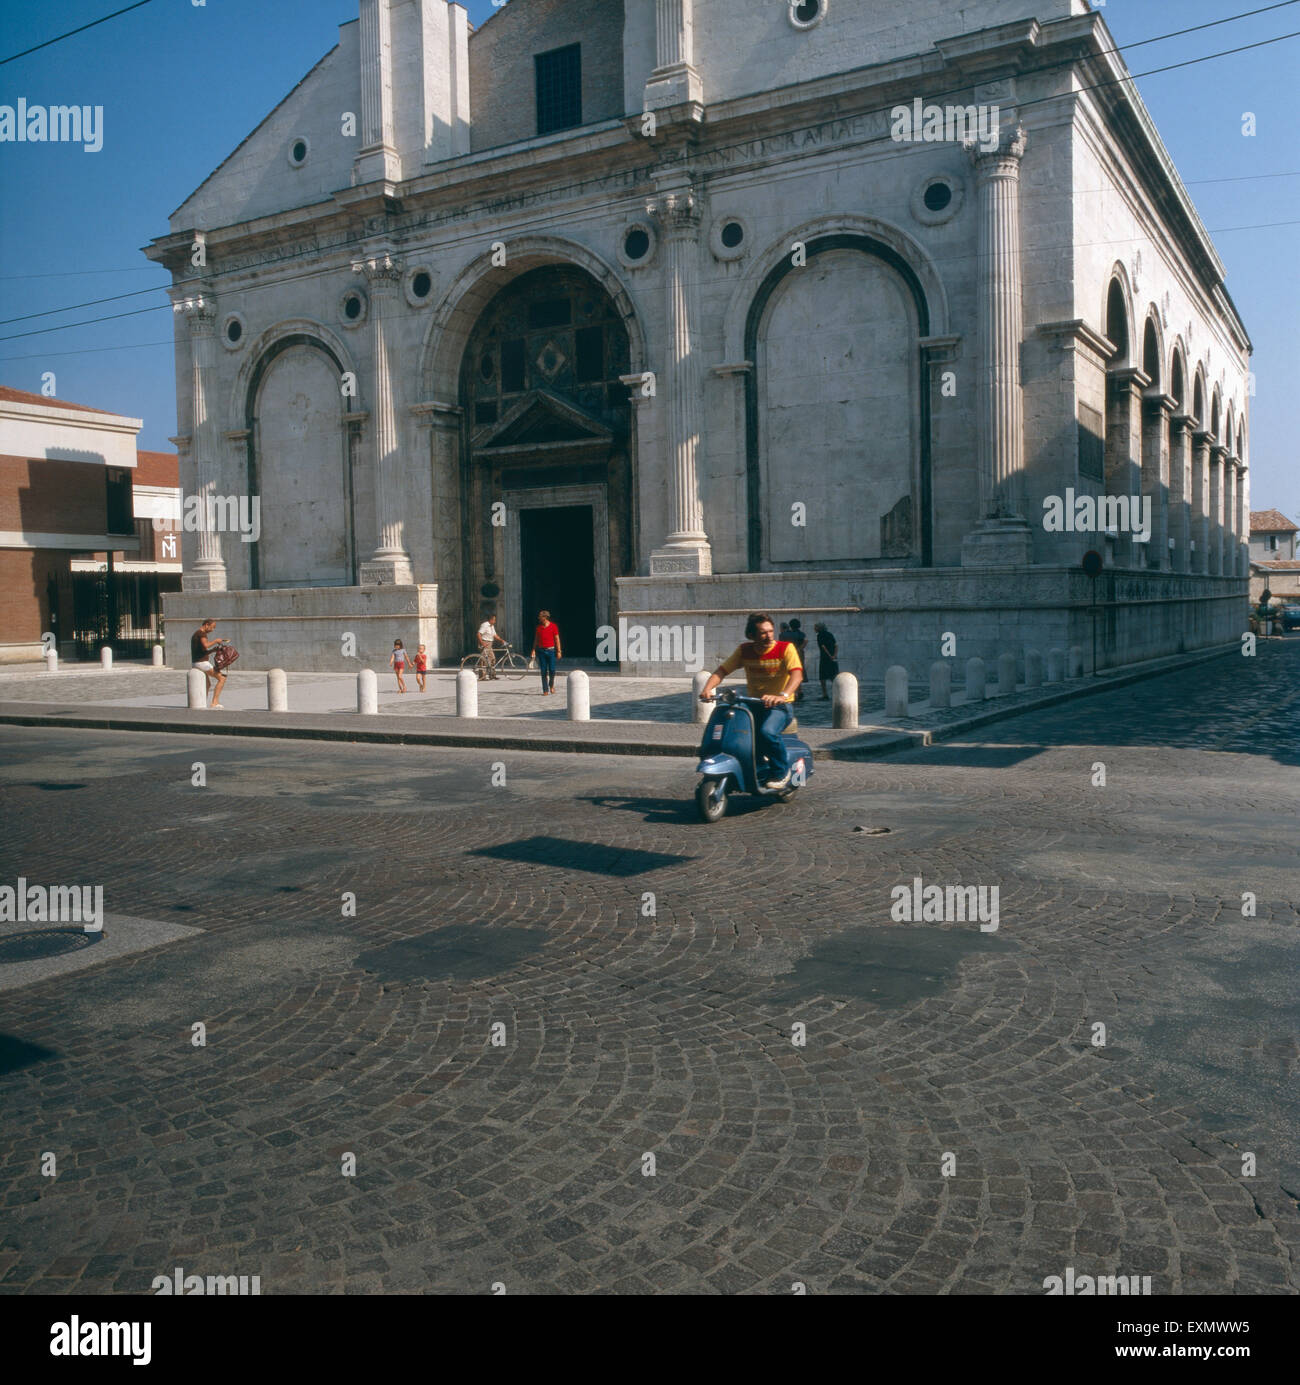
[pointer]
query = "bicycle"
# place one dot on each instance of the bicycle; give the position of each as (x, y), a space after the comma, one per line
(507, 663)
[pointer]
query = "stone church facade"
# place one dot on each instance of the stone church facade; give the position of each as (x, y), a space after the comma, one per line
(665, 311)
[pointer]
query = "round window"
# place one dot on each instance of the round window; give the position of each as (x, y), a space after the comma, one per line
(234, 330)
(421, 284)
(937, 197)
(636, 244)
(805, 13)
(732, 234)
(298, 149)
(352, 307)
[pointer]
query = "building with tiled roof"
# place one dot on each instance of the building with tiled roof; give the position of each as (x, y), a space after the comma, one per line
(1274, 566)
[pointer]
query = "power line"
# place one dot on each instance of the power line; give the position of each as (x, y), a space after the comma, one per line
(49, 42)
(577, 186)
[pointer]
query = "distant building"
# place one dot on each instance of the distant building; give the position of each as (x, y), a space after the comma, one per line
(887, 310)
(79, 556)
(1274, 566)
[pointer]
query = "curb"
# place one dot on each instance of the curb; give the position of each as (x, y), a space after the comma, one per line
(609, 738)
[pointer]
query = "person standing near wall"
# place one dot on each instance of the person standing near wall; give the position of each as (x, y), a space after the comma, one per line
(546, 650)
(828, 667)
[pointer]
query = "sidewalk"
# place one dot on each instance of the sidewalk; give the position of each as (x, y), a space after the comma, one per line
(630, 716)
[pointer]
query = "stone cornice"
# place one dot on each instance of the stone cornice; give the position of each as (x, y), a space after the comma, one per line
(1075, 331)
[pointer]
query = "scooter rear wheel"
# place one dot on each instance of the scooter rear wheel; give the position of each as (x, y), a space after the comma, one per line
(711, 798)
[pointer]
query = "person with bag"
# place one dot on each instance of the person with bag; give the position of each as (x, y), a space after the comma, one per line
(212, 657)
(546, 650)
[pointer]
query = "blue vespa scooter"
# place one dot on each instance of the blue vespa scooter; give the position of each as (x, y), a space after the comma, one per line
(728, 756)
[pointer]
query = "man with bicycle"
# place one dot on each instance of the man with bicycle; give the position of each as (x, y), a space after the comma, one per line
(488, 639)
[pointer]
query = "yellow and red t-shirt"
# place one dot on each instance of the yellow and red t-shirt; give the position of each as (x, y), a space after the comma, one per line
(764, 673)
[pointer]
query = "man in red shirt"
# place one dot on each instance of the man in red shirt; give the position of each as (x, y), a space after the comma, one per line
(546, 650)
(773, 672)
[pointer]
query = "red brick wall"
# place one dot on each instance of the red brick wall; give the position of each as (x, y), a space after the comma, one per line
(52, 497)
(24, 607)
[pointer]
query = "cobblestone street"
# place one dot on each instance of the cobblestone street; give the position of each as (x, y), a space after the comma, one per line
(649, 972)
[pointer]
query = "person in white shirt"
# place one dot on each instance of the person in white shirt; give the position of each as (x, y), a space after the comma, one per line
(488, 639)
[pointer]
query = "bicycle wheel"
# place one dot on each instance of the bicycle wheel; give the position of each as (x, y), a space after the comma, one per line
(471, 662)
(512, 665)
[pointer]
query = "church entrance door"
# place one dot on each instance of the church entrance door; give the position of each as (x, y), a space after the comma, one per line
(558, 574)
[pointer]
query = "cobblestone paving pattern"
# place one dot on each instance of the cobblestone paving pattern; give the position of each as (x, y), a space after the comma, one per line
(630, 1033)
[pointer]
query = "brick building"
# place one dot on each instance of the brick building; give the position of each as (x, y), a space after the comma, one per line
(79, 556)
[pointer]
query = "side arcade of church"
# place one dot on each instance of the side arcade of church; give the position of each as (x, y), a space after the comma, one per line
(661, 311)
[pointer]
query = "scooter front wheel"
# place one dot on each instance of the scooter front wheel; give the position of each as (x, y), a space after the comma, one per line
(711, 798)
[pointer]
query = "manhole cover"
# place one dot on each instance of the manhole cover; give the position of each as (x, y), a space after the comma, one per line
(49, 942)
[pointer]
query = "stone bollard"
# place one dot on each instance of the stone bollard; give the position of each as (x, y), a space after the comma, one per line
(106, 659)
(467, 693)
(196, 689)
(1076, 661)
(1055, 664)
(1006, 674)
(844, 701)
(277, 691)
(1033, 669)
(700, 711)
(52, 661)
(940, 683)
(578, 687)
(368, 692)
(975, 691)
(157, 656)
(896, 691)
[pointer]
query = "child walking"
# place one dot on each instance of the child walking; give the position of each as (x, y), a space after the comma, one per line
(397, 662)
(421, 667)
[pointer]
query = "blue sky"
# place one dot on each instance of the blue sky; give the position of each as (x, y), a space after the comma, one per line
(181, 84)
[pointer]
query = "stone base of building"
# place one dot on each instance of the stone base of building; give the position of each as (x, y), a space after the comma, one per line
(307, 629)
(998, 543)
(22, 652)
(882, 617)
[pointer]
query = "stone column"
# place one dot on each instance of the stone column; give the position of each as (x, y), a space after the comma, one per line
(377, 157)
(442, 429)
(686, 549)
(236, 441)
(1243, 525)
(1201, 502)
(1217, 455)
(390, 565)
(1229, 517)
(208, 573)
(1180, 495)
(1124, 447)
(674, 79)
(1157, 410)
(1002, 536)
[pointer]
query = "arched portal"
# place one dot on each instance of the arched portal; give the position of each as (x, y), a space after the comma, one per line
(837, 418)
(546, 480)
(299, 466)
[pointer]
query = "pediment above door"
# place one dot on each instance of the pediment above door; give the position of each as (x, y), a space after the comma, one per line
(541, 420)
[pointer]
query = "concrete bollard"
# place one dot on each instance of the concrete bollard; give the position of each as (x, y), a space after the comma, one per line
(467, 693)
(1055, 664)
(896, 691)
(277, 691)
(975, 691)
(52, 661)
(578, 687)
(1033, 669)
(940, 683)
(106, 659)
(844, 701)
(196, 689)
(157, 656)
(700, 711)
(1006, 674)
(1076, 661)
(367, 692)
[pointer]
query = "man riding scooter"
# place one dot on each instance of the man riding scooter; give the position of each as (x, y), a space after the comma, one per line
(773, 673)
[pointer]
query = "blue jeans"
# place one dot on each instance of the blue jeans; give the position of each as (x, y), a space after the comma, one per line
(770, 742)
(546, 662)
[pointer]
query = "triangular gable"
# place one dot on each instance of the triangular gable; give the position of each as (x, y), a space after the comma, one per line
(538, 419)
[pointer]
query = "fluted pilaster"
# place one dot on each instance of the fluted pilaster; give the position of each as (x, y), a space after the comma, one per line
(199, 310)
